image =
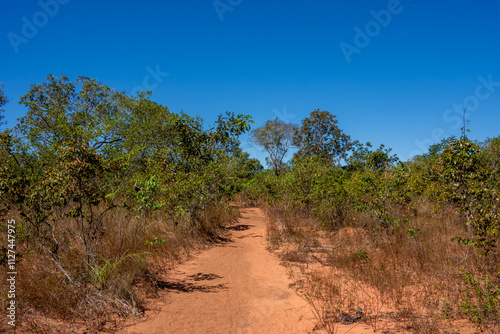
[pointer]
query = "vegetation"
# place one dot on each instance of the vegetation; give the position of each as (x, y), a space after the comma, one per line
(320, 136)
(416, 240)
(102, 185)
(109, 189)
(276, 137)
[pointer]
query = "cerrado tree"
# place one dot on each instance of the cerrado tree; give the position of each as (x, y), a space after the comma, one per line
(320, 136)
(276, 137)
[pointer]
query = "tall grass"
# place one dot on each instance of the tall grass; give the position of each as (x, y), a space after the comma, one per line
(406, 278)
(133, 256)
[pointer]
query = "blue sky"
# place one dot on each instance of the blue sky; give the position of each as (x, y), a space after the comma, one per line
(415, 64)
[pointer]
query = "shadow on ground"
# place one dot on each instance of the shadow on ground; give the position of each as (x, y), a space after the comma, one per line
(183, 286)
(240, 227)
(204, 277)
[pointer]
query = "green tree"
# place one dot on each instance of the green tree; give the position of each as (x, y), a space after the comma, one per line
(13, 181)
(73, 187)
(320, 136)
(438, 148)
(466, 177)
(244, 167)
(67, 149)
(491, 153)
(363, 156)
(276, 137)
(83, 149)
(60, 111)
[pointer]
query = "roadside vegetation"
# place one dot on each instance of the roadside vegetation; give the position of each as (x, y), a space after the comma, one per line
(108, 191)
(402, 246)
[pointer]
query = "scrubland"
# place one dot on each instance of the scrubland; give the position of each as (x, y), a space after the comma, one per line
(107, 192)
(410, 247)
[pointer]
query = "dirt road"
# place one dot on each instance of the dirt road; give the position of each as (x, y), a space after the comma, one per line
(234, 287)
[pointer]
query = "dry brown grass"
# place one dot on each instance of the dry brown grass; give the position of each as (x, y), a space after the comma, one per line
(286, 226)
(402, 281)
(48, 302)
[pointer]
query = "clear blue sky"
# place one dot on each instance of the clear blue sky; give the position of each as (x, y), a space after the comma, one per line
(274, 59)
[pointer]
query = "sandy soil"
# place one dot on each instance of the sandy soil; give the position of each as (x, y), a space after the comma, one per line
(235, 287)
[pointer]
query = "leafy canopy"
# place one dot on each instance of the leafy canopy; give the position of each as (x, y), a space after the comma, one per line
(84, 149)
(364, 157)
(320, 136)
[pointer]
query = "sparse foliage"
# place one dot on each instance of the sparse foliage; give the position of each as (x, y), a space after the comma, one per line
(276, 138)
(481, 299)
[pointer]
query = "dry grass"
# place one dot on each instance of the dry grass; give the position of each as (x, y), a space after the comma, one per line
(132, 255)
(287, 226)
(406, 278)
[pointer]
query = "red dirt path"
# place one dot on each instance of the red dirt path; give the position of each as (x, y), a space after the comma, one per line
(235, 287)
